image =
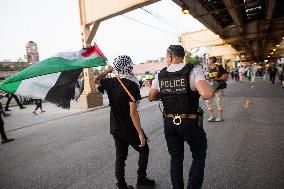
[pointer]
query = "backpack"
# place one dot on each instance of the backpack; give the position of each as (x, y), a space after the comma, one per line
(221, 84)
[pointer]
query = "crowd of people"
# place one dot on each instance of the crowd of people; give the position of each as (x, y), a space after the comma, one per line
(269, 71)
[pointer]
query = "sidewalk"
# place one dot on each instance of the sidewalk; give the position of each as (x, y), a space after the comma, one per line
(21, 118)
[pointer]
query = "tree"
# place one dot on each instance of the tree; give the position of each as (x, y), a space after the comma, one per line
(189, 59)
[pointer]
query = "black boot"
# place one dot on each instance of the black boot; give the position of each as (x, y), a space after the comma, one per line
(6, 140)
(124, 186)
(145, 183)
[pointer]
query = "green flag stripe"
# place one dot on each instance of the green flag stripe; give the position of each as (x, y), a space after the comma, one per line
(11, 87)
(55, 64)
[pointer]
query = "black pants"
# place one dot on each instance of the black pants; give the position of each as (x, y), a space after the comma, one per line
(272, 78)
(121, 146)
(237, 77)
(195, 137)
(9, 100)
(38, 103)
(2, 131)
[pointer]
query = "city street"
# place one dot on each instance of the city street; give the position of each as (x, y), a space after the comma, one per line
(73, 149)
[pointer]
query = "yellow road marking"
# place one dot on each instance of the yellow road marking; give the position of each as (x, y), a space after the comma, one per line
(246, 104)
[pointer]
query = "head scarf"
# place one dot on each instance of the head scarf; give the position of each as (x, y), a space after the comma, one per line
(123, 67)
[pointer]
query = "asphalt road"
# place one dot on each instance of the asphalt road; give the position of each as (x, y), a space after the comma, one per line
(244, 151)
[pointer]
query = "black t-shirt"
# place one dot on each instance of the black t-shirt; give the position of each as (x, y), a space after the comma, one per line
(120, 121)
(273, 71)
(216, 72)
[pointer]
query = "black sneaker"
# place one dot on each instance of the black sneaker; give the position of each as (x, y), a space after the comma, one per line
(145, 183)
(7, 140)
(124, 186)
(7, 110)
(23, 107)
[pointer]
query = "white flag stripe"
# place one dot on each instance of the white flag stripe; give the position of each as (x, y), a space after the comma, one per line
(37, 87)
(70, 55)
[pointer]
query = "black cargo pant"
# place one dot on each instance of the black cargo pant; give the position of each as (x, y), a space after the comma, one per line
(38, 103)
(272, 78)
(9, 100)
(121, 146)
(195, 137)
(2, 131)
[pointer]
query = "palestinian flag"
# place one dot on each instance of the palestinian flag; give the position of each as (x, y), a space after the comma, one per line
(54, 79)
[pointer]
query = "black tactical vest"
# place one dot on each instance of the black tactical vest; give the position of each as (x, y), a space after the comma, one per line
(175, 92)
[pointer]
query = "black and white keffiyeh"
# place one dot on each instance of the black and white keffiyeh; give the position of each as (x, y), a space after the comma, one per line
(123, 66)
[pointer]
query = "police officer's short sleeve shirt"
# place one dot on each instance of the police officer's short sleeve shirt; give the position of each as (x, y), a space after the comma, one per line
(195, 75)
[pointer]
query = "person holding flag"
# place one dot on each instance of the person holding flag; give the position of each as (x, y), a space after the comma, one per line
(123, 93)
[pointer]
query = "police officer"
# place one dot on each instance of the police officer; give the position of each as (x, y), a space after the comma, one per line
(179, 86)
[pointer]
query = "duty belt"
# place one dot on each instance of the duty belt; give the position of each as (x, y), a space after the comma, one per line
(177, 117)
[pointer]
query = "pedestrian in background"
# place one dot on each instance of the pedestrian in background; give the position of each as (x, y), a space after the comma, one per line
(236, 74)
(38, 103)
(253, 72)
(266, 72)
(123, 93)
(139, 78)
(182, 116)
(217, 78)
(272, 73)
(242, 72)
(4, 137)
(1, 107)
(281, 76)
(232, 74)
(10, 96)
(248, 73)
(77, 93)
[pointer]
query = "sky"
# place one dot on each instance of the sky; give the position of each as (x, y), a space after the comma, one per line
(55, 26)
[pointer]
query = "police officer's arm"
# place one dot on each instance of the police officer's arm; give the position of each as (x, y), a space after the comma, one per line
(136, 121)
(204, 89)
(102, 75)
(154, 95)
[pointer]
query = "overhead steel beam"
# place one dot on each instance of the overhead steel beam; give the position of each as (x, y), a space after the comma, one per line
(247, 3)
(268, 16)
(196, 9)
(234, 13)
(236, 17)
(270, 7)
